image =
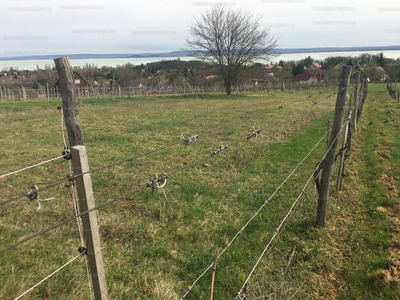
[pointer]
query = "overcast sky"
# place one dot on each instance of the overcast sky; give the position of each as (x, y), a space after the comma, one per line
(41, 27)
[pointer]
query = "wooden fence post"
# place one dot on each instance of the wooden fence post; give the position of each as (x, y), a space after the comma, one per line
(89, 220)
(23, 92)
(356, 103)
(83, 182)
(323, 191)
(69, 103)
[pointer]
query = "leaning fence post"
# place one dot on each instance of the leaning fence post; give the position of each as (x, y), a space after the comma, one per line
(69, 102)
(323, 192)
(83, 181)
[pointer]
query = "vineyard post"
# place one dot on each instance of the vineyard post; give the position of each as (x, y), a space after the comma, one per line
(90, 221)
(323, 192)
(356, 100)
(83, 182)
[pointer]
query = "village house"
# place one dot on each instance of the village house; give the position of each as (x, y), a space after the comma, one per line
(381, 74)
(270, 69)
(314, 68)
(80, 82)
(310, 78)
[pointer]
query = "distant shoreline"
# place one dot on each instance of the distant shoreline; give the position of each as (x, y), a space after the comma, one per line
(188, 53)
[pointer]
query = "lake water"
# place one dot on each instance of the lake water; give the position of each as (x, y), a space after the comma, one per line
(113, 62)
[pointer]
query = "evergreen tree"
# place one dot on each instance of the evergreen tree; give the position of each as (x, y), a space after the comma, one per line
(298, 69)
(308, 61)
(380, 60)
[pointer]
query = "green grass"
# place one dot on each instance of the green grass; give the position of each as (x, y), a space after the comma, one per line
(149, 253)
(374, 253)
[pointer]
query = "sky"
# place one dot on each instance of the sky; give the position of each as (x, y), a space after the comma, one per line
(44, 27)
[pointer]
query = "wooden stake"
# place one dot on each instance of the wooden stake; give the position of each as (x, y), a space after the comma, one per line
(90, 222)
(69, 104)
(214, 267)
(356, 103)
(342, 155)
(323, 192)
(83, 182)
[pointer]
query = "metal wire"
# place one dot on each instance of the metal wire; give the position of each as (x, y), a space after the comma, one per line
(47, 277)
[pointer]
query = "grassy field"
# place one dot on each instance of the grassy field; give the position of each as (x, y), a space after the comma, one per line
(151, 252)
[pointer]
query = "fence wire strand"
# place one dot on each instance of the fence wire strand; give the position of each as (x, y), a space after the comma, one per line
(256, 213)
(47, 277)
(50, 185)
(30, 167)
(277, 231)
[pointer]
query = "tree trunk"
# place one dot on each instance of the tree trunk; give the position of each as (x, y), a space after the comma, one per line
(228, 86)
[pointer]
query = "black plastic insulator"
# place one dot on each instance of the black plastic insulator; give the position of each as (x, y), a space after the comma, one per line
(82, 250)
(67, 155)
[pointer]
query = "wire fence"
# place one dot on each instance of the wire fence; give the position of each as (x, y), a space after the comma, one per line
(88, 91)
(158, 183)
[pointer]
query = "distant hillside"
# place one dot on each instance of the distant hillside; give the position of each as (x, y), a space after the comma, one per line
(189, 53)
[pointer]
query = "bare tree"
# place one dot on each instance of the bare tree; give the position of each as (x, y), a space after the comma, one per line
(229, 39)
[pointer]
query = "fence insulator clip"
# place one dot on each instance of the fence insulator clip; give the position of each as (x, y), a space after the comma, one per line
(66, 154)
(32, 193)
(254, 133)
(71, 181)
(330, 95)
(82, 250)
(341, 151)
(189, 140)
(316, 172)
(159, 182)
(219, 149)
